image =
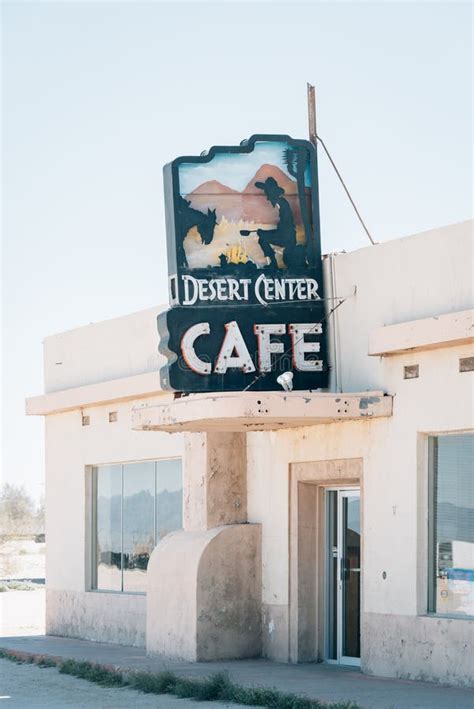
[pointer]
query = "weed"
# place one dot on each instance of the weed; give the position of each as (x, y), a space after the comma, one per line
(217, 686)
(91, 672)
(46, 662)
(160, 683)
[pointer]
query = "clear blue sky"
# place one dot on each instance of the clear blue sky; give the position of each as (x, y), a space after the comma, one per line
(98, 96)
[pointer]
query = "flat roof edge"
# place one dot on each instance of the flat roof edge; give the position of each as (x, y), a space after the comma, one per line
(115, 390)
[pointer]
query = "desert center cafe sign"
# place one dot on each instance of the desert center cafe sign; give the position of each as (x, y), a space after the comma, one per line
(245, 272)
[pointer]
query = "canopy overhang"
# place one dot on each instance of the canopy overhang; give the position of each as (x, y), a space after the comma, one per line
(259, 411)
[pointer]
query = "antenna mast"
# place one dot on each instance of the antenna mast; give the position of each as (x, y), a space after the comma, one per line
(313, 135)
(314, 138)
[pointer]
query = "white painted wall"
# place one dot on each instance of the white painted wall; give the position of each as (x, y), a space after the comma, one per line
(405, 279)
(112, 349)
(70, 447)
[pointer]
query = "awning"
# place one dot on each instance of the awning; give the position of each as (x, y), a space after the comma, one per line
(259, 411)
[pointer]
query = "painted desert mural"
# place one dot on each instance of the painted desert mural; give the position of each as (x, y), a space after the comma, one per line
(250, 209)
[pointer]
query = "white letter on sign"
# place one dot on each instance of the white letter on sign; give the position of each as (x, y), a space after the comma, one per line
(190, 294)
(300, 347)
(265, 346)
(187, 348)
(226, 359)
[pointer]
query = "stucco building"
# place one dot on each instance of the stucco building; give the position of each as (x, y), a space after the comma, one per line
(334, 526)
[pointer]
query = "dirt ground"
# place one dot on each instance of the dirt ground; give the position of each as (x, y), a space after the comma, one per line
(22, 613)
(27, 686)
(22, 559)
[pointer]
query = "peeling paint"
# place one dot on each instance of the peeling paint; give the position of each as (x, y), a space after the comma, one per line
(368, 400)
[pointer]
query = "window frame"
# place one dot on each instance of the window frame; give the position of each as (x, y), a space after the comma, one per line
(432, 465)
(91, 522)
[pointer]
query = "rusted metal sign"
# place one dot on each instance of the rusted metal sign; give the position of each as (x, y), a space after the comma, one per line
(245, 270)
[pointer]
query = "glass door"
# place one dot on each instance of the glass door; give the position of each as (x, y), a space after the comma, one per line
(343, 554)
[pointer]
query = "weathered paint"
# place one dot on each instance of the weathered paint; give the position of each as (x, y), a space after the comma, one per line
(261, 411)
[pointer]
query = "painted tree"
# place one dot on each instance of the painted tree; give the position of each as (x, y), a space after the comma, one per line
(296, 160)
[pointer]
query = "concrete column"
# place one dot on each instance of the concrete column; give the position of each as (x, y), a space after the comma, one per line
(215, 480)
(204, 582)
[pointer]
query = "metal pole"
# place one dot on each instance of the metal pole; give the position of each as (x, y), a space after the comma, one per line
(313, 135)
(314, 138)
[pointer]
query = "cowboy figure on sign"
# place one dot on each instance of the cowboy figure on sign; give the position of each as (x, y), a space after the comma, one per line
(284, 234)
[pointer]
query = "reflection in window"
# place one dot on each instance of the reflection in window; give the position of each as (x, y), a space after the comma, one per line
(451, 589)
(136, 505)
(138, 523)
(108, 525)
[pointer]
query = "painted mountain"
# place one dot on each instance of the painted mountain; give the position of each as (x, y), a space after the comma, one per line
(250, 205)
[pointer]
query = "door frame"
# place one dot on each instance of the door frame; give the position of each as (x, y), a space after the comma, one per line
(306, 603)
(344, 491)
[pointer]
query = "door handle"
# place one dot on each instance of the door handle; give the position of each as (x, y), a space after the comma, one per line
(345, 570)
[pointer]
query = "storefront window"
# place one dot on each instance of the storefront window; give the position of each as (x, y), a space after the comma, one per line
(135, 505)
(451, 525)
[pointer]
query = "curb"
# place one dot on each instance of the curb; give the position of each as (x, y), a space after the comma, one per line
(36, 658)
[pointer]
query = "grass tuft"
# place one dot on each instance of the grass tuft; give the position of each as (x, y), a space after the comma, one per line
(217, 687)
(45, 662)
(93, 673)
(159, 683)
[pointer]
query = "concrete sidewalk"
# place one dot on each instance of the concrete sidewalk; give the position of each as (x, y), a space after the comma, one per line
(324, 682)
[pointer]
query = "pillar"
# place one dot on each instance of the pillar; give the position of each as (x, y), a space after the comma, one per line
(204, 582)
(215, 480)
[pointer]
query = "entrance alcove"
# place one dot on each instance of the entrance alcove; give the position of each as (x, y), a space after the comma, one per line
(309, 482)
